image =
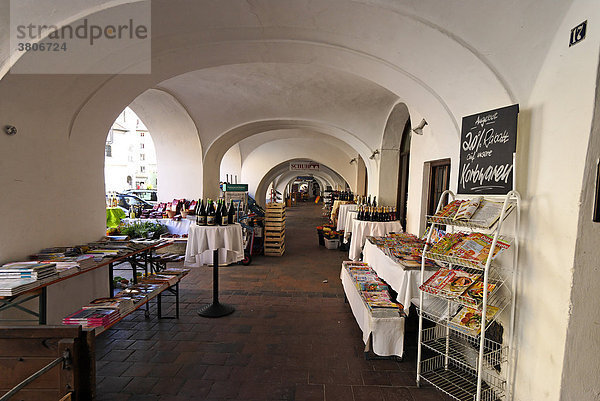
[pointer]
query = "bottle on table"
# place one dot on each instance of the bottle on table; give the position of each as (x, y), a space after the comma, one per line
(231, 213)
(224, 214)
(201, 215)
(211, 215)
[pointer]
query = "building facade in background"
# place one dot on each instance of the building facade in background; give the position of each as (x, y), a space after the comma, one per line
(129, 156)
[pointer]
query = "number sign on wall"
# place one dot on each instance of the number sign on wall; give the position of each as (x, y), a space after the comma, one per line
(487, 143)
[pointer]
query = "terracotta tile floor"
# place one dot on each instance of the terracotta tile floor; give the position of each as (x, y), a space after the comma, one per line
(292, 337)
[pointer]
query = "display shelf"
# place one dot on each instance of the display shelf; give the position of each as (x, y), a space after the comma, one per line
(473, 224)
(499, 297)
(459, 382)
(463, 349)
(438, 311)
(469, 366)
(468, 263)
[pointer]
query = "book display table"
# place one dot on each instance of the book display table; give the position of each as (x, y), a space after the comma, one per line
(202, 240)
(404, 282)
(343, 212)
(69, 283)
(362, 229)
(384, 328)
(175, 227)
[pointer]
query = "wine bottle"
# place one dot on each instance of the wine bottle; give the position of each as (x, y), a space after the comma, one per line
(201, 215)
(369, 201)
(211, 215)
(224, 214)
(218, 221)
(375, 201)
(231, 213)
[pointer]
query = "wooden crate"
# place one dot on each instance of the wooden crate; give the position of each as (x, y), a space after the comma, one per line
(274, 235)
(274, 225)
(274, 250)
(275, 229)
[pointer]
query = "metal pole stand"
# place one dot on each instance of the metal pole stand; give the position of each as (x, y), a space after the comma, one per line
(216, 309)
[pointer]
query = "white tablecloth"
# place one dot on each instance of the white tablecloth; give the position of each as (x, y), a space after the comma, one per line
(203, 240)
(404, 282)
(362, 229)
(334, 209)
(350, 217)
(174, 227)
(387, 332)
(343, 211)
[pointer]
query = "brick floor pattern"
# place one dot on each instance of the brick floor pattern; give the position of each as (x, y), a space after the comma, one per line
(292, 337)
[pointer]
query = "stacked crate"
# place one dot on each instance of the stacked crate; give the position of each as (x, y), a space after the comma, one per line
(275, 229)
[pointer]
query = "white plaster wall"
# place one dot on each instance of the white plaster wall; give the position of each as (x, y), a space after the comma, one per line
(553, 148)
(583, 333)
(434, 144)
(177, 143)
(232, 164)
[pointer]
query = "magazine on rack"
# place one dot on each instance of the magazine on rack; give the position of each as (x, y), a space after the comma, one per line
(436, 282)
(458, 283)
(474, 294)
(468, 320)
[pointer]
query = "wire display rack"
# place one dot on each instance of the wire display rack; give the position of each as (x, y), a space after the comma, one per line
(468, 366)
(460, 382)
(500, 296)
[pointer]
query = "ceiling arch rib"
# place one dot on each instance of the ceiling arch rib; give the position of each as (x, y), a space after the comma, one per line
(178, 146)
(216, 151)
(273, 153)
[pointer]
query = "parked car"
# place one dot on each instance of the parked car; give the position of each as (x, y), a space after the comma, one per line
(125, 201)
(148, 195)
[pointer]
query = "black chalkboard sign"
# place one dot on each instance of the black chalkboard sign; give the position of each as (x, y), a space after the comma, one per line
(487, 143)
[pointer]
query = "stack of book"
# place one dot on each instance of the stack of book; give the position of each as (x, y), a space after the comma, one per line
(122, 304)
(11, 287)
(27, 270)
(93, 317)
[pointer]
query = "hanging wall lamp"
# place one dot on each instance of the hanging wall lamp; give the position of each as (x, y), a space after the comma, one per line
(419, 128)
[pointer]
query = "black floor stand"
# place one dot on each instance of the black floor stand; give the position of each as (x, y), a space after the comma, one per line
(216, 309)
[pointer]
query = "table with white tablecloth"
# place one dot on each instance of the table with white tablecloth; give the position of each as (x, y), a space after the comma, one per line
(404, 282)
(362, 229)
(334, 210)
(350, 217)
(387, 332)
(174, 226)
(203, 240)
(343, 211)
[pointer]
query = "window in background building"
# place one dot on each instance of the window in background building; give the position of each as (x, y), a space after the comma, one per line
(141, 146)
(108, 151)
(142, 169)
(142, 156)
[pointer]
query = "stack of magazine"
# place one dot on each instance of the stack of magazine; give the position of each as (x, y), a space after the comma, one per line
(372, 289)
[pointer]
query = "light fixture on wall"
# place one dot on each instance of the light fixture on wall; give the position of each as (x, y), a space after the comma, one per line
(419, 128)
(353, 160)
(375, 152)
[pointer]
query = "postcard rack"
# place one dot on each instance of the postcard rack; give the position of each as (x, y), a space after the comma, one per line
(465, 365)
